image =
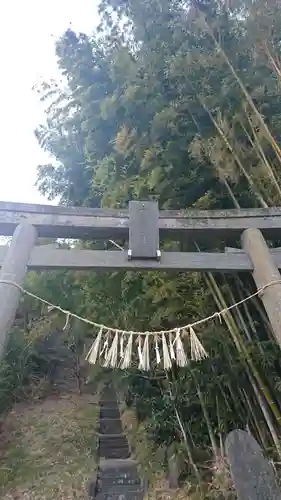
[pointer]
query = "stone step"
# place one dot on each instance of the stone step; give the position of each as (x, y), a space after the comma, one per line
(105, 483)
(114, 452)
(110, 426)
(109, 406)
(124, 494)
(108, 395)
(117, 452)
(112, 399)
(107, 451)
(111, 465)
(125, 472)
(104, 444)
(112, 435)
(109, 403)
(119, 496)
(121, 489)
(108, 400)
(113, 440)
(106, 413)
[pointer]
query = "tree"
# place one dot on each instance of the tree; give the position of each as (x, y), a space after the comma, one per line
(179, 102)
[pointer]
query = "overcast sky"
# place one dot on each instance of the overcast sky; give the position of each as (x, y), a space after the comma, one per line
(29, 30)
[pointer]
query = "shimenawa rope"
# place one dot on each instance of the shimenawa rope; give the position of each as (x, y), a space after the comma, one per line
(109, 343)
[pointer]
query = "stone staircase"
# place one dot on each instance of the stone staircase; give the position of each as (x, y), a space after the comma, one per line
(117, 475)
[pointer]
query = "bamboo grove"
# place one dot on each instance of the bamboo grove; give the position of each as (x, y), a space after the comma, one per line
(176, 101)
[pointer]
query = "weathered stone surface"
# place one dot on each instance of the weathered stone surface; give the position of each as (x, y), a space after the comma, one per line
(109, 413)
(117, 476)
(252, 474)
(121, 480)
(173, 472)
(113, 439)
(110, 403)
(121, 495)
(111, 426)
(111, 465)
(115, 452)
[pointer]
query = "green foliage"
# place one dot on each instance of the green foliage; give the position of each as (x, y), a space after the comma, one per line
(179, 102)
(38, 348)
(20, 364)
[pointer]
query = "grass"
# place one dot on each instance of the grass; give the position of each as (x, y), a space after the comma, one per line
(48, 449)
(149, 459)
(151, 464)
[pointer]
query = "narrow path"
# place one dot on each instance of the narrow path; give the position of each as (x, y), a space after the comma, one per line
(117, 475)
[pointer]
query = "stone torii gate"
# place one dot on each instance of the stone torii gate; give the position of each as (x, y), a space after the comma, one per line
(143, 226)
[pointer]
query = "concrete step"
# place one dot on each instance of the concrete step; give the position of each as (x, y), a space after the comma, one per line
(112, 399)
(122, 494)
(107, 445)
(125, 472)
(113, 440)
(121, 489)
(109, 405)
(114, 452)
(106, 404)
(108, 465)
(105, 483)
(111, 426)
(108, 395)
(109, 399)
(109, 413)
(104, 449)
(114, 471)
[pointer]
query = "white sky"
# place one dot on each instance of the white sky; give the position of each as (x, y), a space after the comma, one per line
(28, 30)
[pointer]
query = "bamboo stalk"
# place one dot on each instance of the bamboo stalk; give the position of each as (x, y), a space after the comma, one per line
(256, 422)
(241, 347)
(267, 417)
(257, 148)
(234, 154)
(184, 436)
(245, 92)
(259, 309)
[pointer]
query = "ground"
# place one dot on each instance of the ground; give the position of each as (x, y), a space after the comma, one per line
(151, 467)
(48, 449)
(150, 461)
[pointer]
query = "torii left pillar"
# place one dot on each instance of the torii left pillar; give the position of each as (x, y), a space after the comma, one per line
(14, 269)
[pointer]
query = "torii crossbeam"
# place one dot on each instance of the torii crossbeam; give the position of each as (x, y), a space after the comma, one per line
(143, 227)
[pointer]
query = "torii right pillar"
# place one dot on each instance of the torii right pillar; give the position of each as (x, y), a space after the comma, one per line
(265, 271)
